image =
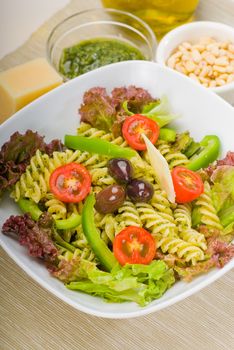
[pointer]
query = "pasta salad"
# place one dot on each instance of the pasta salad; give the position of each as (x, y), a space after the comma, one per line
(126, 207)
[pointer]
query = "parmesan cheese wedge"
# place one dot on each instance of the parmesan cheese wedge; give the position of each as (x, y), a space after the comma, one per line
(24, 83)
(161, 168)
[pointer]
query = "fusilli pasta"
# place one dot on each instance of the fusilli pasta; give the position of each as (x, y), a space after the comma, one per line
(174, 245)
(183, 220)
(174, 158)
(207, 210)
(154, 221)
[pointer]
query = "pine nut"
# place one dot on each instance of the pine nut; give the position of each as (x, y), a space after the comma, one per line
(194, 77)
(180, 68)
(220, 82)
(222, 52)
(185, 57)
(212, 83)
(223, 76)
(203, 80)
(204, 72)
(210, 58)
(224, 45)
(230, 69)
(196, 56)
(221, 61)
(190, 66)
(200, 48)
(219, 69)
(197, 71)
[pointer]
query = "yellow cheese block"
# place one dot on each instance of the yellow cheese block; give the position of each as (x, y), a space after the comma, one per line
(24, 83)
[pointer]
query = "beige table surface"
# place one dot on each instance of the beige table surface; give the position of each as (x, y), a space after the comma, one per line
(32, 318)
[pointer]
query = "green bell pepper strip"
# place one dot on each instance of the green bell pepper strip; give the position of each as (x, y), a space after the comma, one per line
(167, 134)
(73, 221)
(100, 249)
(193, 148)
(209, 152)
(99, 146)
(28, 206)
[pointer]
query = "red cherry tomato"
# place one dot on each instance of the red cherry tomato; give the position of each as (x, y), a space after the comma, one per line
(70, 183)
(188, 185)
(134, 245)
(136, 125)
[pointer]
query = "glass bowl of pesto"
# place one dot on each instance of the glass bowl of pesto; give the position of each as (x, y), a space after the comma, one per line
(94, 38)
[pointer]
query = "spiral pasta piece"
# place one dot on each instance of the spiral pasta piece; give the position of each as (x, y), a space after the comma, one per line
(207, 210)
(174, 158)
(174, 245)
(160, 202)
(55, 207)
(152, 220)
(101, 177)
(182, 215)
(60, 210)
(107, 224)
(127, 216)
(85, 253)
(80, 242)
(183, 220)
(192, 236)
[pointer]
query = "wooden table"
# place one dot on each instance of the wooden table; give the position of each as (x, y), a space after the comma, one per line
(33, 319)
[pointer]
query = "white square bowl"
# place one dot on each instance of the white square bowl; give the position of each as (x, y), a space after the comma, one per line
(55, 114)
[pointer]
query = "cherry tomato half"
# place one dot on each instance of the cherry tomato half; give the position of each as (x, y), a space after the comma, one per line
(134, 245)
(188, 185)
(70, 183)
(134, 126)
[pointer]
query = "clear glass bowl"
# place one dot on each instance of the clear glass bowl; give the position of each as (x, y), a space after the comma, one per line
(101, 23)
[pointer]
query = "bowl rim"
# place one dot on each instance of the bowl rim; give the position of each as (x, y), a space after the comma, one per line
(153, 44)
(184, 28)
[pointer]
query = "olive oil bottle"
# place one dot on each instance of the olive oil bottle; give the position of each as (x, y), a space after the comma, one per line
(161, 15)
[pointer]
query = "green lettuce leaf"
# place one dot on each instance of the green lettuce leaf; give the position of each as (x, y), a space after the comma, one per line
(223, 196)
(132, 282)
(223, 187)
(157, 111)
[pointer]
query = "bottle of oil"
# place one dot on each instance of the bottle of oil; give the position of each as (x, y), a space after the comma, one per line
(161, 15)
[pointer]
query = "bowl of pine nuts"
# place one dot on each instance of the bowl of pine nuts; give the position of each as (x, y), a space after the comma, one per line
(204, 52)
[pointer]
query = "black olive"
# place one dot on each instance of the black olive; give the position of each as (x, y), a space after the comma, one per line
(120, 169)
(110, 199)
(139, 190)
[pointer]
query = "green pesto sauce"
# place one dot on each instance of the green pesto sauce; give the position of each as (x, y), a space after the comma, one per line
(95, 53)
